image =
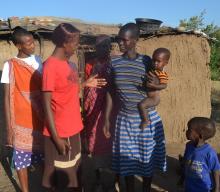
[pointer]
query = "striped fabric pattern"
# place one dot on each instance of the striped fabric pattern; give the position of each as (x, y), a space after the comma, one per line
(129, 77)
(135, 151)
(162, 75)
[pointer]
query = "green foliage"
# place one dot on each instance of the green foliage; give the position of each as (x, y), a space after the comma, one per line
(215, 61)
(211, 30)
(196, 23)
(193, 23)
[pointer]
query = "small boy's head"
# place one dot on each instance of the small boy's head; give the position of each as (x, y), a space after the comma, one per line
(200, 128)
(66, 36)
(161, 58)
(23, 40)
(128, 37)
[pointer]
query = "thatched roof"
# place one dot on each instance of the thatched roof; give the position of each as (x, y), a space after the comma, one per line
(43, 27)
(176, 31)
(48, 24)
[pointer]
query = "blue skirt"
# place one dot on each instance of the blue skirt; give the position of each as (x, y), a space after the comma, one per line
(136, 151)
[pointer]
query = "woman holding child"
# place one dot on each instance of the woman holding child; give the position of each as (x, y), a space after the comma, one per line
(136, 151)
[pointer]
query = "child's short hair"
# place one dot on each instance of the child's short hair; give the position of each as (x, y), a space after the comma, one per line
(63, 33)
(163, 50)
(132, 27)
(203, 126)
(18, 33)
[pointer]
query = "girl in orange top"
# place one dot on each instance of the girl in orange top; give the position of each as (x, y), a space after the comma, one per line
(23, 108)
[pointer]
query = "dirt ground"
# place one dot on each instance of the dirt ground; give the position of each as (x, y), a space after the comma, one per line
(161, 183)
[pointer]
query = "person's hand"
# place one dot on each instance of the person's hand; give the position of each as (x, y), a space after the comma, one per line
(152, 80)
(151, 85)
(106, 129)
(95, 82)
(62, 146)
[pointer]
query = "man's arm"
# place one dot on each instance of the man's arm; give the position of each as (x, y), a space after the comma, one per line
(9, 131)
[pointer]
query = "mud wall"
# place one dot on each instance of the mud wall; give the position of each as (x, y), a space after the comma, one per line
(189, 88)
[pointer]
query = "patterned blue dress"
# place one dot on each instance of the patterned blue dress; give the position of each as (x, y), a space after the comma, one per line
(135, 151)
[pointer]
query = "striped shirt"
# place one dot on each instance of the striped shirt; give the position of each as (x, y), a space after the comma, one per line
(162, 75)
(129, 79)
